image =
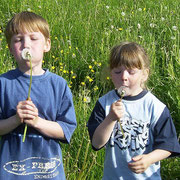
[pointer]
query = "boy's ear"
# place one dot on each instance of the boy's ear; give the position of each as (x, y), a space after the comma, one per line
(47, 45)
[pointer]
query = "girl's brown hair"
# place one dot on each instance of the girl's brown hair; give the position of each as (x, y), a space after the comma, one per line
(129, 54)
(26, 21)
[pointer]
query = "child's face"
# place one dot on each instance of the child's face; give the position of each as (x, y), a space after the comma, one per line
(131, 79)
(34, 41)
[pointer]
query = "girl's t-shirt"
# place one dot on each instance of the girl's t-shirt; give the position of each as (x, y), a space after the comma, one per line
(147, 125)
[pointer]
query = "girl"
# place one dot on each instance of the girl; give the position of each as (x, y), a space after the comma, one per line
(137, 131)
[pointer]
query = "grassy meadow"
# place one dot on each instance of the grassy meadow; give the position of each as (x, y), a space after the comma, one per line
(82, 34)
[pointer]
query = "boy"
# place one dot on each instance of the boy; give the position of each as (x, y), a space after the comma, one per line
(49, 113)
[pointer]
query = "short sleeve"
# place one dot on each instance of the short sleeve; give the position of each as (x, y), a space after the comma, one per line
(66, 117)
(165, 136)
(97, 116)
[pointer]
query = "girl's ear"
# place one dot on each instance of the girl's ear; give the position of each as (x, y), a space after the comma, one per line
(145, 74)
(47, 45)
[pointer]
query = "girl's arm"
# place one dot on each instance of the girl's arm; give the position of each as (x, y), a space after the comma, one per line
(104, 130)
(142, 162)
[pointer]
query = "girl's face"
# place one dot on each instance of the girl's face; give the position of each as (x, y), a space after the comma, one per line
(131, 79)
(35, 42)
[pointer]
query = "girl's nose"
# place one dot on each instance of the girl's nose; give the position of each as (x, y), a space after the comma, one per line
(124, 75)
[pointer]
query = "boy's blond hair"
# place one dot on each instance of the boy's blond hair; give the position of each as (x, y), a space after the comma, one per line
(26, 22)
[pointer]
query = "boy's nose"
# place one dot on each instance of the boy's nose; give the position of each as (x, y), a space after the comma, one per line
(26, 43)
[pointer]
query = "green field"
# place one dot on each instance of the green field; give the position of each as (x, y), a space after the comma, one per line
(82, 34)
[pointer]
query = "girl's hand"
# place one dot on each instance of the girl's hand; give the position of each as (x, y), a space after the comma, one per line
(27, 112)
(117, 110)
(140, 163)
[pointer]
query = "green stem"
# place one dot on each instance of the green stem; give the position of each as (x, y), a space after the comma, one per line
(29, 92)
(122, 95)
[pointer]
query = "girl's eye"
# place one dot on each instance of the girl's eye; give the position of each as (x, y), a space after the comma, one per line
(117, 72)
(131, 71)
(34, 38)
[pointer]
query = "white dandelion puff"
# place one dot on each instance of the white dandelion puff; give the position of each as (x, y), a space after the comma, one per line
(26, 54)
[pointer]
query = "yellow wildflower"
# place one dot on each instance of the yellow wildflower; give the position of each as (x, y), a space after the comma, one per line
(62, 51)
(73, 55)
(95, 88)
(120, 29)
(107, 77)
(83, 83)
(90, 80)
(99, 64)
(90, 67)
(74, 76)
(53, 67)
(86, 99)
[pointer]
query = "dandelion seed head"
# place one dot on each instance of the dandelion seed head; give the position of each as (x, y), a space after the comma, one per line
(26, 54)
(175, 28)
(152, 25)
(139, 26)
(121, 91)
(123, 14)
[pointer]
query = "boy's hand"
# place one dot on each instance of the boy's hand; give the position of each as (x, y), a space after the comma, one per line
(140, 163)
(117, 110)
(27, 112)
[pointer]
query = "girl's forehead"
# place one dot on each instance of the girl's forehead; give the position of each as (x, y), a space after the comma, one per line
(124, 67)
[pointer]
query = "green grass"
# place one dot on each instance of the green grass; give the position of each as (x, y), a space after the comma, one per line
(82, 34)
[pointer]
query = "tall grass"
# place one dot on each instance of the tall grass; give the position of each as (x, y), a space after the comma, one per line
(82, 34)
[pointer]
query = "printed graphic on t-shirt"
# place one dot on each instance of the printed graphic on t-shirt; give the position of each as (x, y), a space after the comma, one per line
(136, 134)
(39, 167)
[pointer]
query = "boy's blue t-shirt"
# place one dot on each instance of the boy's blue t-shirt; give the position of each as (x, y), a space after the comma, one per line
(147, 126)
(39, 157)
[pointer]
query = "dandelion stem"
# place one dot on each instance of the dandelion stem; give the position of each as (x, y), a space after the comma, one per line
(29, 92)
(122, 93)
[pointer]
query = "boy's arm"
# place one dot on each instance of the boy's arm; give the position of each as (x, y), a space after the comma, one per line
(49, 128)
(27, 112)
(142, 162)
(9, 124)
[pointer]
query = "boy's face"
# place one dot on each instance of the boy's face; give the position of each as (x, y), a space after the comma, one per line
(131, 79)
(35, 42)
